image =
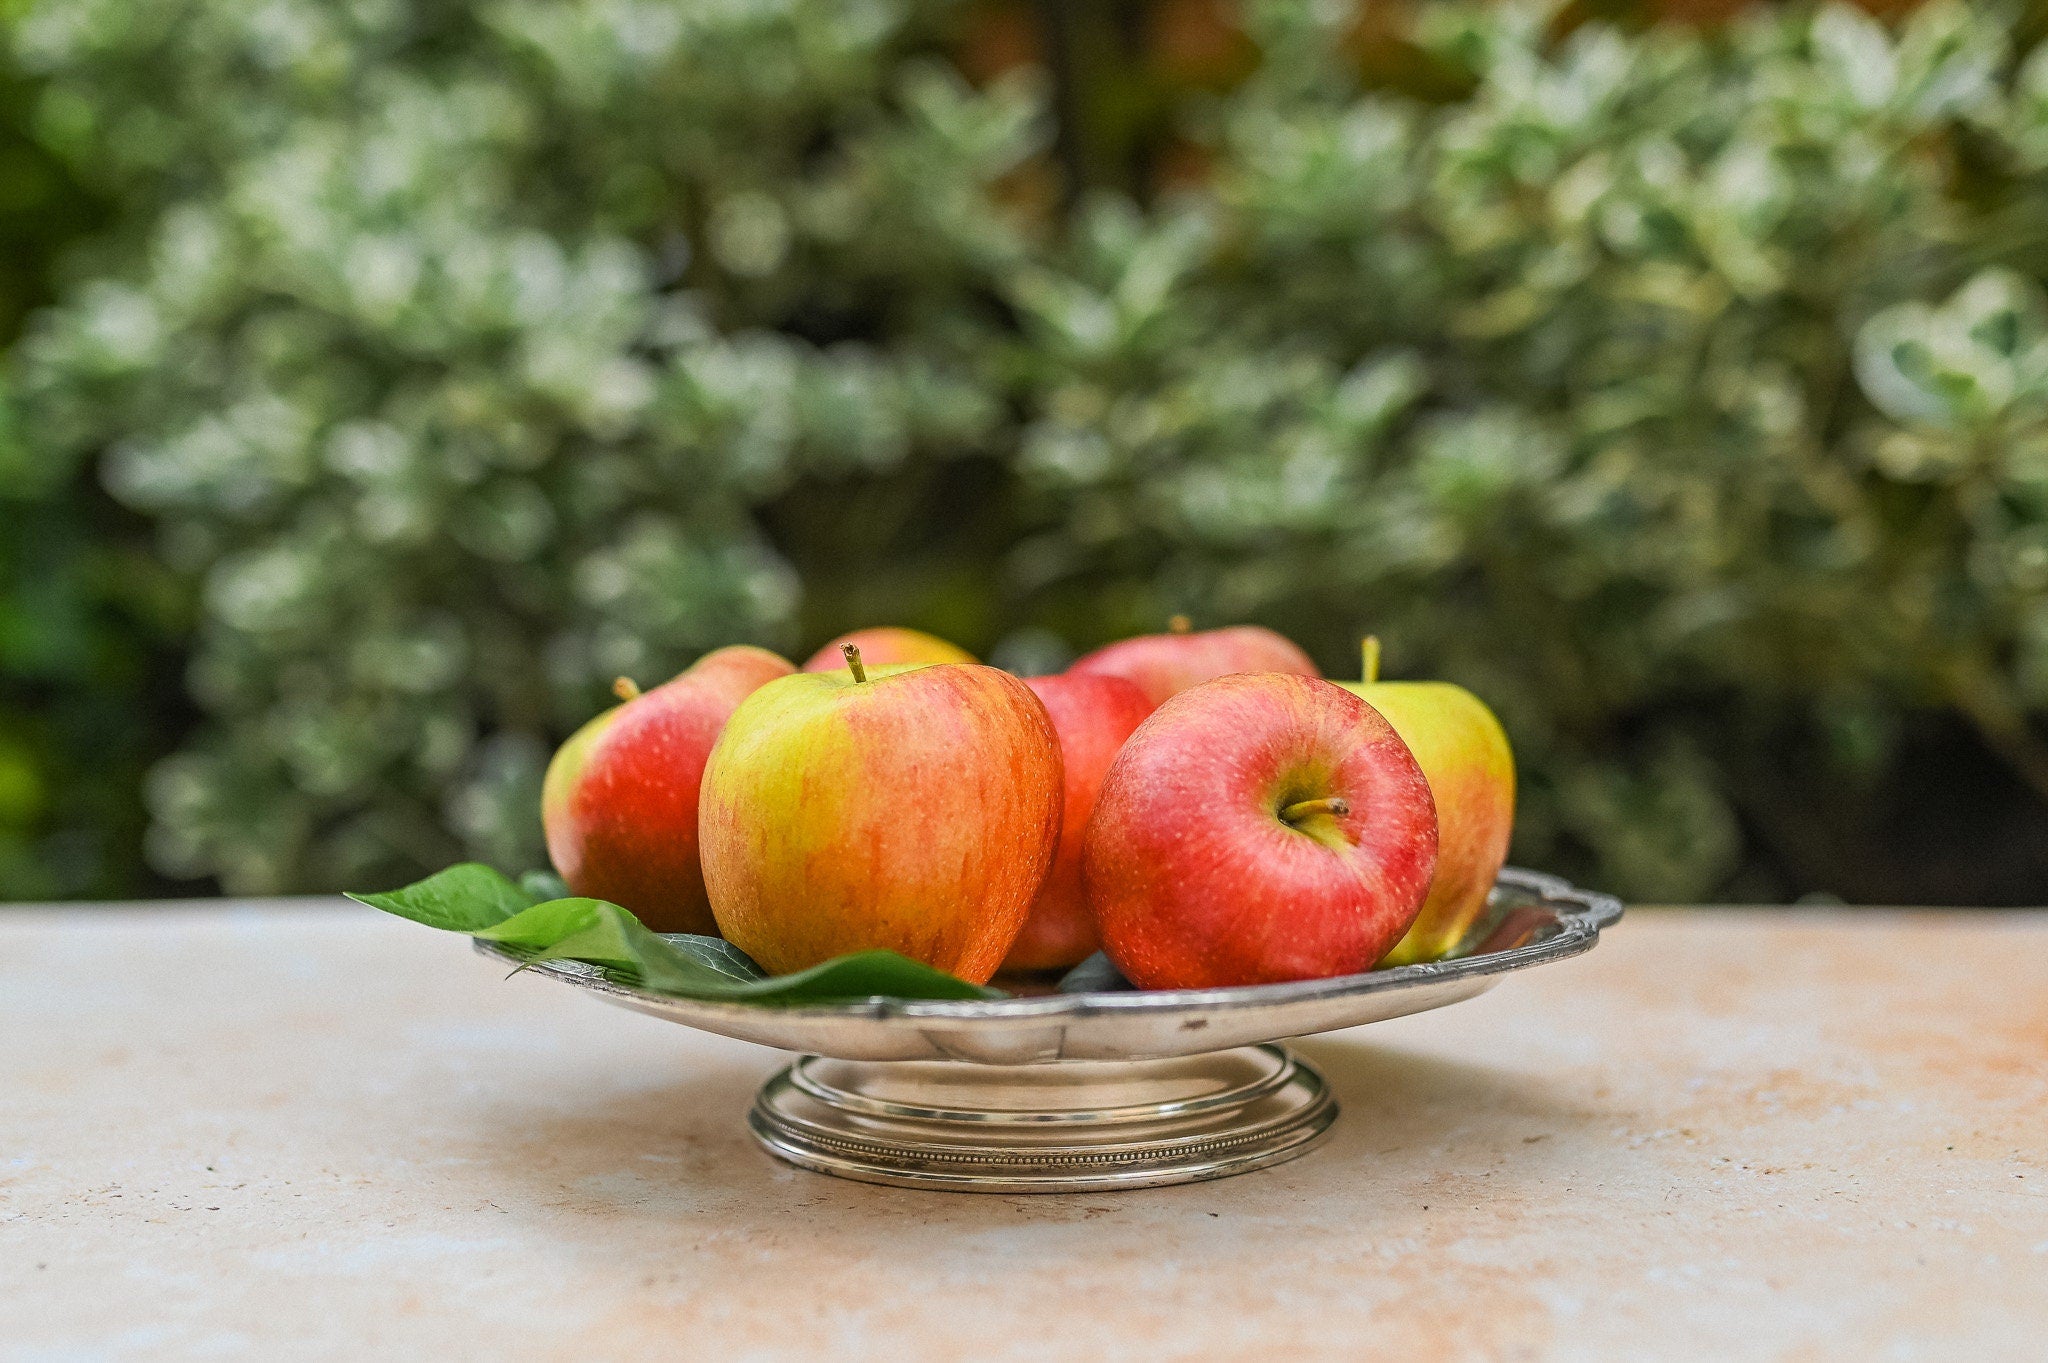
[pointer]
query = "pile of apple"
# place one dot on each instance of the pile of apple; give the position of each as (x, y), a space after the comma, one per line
(1201, 806)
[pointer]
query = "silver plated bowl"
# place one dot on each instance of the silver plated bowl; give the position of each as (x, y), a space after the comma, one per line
(1064, 1092)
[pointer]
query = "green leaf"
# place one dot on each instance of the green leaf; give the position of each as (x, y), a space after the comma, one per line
(717, 953)
(463, 898)
(864, 974)
(479, 901)
(605, 934)
(544, 885)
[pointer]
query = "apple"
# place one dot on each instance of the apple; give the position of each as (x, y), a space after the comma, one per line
(1163, 665)
(1092, 716)
(1258, 828)
(915, 808)
(885, 647)
(1464, 752)
(619, 801)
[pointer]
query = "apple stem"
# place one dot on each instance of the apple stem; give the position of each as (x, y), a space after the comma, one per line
(1301, 809)
(1370, 672)
(625, 688)
(852, 652)
(1179, 624)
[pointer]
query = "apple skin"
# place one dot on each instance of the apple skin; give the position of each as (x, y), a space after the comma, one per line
(1164, 665)
(1471, 770)
(917, 810)
(1198, 882)
(1092, 716)
(619, 802)
(885, 647)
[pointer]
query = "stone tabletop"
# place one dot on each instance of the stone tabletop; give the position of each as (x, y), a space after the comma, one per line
(299, 1130)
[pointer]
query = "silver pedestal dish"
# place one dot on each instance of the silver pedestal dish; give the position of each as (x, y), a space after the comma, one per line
(1066, 1092)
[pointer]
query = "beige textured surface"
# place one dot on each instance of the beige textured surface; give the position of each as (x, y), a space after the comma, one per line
(307, 1132)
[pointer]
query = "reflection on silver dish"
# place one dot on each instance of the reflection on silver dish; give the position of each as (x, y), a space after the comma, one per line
(1090, 1124)
(1069, 1092)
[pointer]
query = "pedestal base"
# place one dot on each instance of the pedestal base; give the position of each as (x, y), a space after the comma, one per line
(1056, 1128)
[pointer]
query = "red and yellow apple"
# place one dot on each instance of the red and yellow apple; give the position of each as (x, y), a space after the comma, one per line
(1471, 770)
(914, 808)
(1164, 665)
(885, 647)
(619, 802)
(1255, 829)
(1092, 716)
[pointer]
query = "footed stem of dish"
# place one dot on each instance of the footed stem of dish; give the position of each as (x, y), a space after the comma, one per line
(1053, 1128)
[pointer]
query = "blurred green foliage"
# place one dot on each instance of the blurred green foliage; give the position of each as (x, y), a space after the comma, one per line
(85, 615)
(1685, 393)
